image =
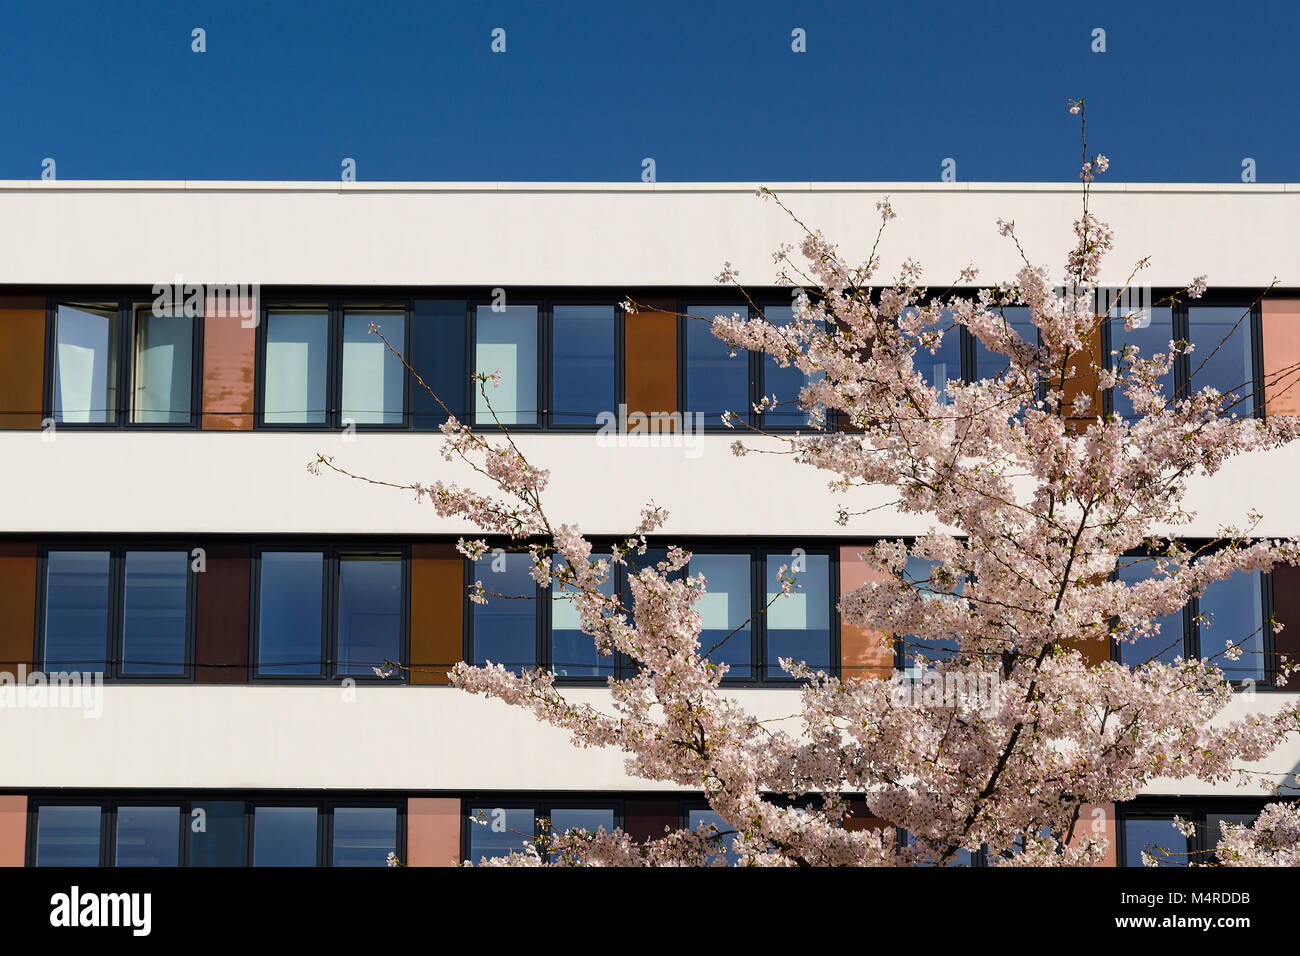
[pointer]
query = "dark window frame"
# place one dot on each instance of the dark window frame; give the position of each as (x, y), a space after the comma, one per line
(542, 804)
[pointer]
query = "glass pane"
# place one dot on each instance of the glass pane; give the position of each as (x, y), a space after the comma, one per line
(284, 836)
(496, 831)
(785, 383)
(716, 382)
(217, 833)
(726, 837)
(725, 608)
(943, 365)
(990, 364)
(148, 836)
(85, 368)
(1152, 336)
(438, 348)
(1232, 610)
(76, 611)
(506, 341)
(573, 652)
(568, 818)
(289, 614)
(934, 649)
(364, 836)
(1158, 837)
(799, 623)
(67, 836)
(960, 858)
(1222, 357)
(164, 367)
(583, 365)
(297, 356)
(374, 380)
(1214, 828)
(154, 626)
(370, 612)
(1165, 645)
(505, 629)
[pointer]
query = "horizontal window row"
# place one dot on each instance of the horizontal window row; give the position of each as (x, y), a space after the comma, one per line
(567, 362)
(1146, 827)
(202, 831)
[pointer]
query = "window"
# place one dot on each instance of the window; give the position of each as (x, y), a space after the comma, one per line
(798, 624)
(784, 384)
(374, 380)
(124, 613)
(217, 830)
(716, 381)
(504, 630)
(1233, 610)
(119, 361)
(725, 838)
(935, 649)
(294, 380)
(990, 364)
(726, 609)
(1157, 836)
(505, 341)
(961, 858)
(584, 364)
(439, 355)
(1170, 640)
(338, 612)
(944, 364)
(573, 651)
(495, 831)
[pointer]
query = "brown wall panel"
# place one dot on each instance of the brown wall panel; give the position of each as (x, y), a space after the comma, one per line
(1087, 365)
(1098, 820)
(229, 360)
(432, 831)
(22, 361)
(651, 347)
(222, 609)
(437, 611)
(645, 819)
(1286, 611)
(861, 653)
(13, 830)
(17, 604)
(1281, 349)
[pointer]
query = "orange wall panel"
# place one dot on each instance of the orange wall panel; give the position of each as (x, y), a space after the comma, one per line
(22, 362)
(437, 611)
(17, 604)
(861, 651)
(432, 831)
(650, 338)
(1098, 820)
(13, 830)
(1281, 349)
(229, 360)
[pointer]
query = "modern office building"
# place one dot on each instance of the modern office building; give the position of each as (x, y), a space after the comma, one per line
(172, 355)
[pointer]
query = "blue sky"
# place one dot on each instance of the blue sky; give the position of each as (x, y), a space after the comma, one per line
(586, 91)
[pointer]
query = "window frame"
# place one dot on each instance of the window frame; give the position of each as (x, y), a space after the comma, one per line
(117, 551)
(1194, 809)
(331, 552)
(124, 355)
(541, 803)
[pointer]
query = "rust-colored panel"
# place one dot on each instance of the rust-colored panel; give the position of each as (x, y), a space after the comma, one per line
(1085, 381)
(1281, 349)
(651, 365)
(22, 361)
(17, 604)
(229, 358)
(1098, 820)
(645, 819)
(13, 829)
(861, 651)
(222, 607)
(1286, 611)
(432, 831)
(437, 611)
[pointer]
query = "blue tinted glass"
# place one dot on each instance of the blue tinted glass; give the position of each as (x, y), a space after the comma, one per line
(799, 623)
(289, 613)
(960, 858)
(67, 836)
(725, 609)
(374, 381)
(990, 364)
(1233, 610)
(1165, 645)
(1158, 837)
(370, 612)
(284, 836)
(1214, 825)
(438, 350)
(726, 837)
(216, 833)
(505, 629)
(497, 831)
(943, 365)
(364, 836)
(506, 342)
(1152, 337)
(583, 364)
(573, 652)
(85, 366)
(783, 383)
(297, 357)
(154, 626)
(569, 818)
(1222, 358)
(76, 611)
(148, 836)
(935, 649)
(716, 381)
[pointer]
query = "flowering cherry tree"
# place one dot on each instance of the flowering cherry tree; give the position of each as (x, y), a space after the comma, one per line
(1032, 495)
